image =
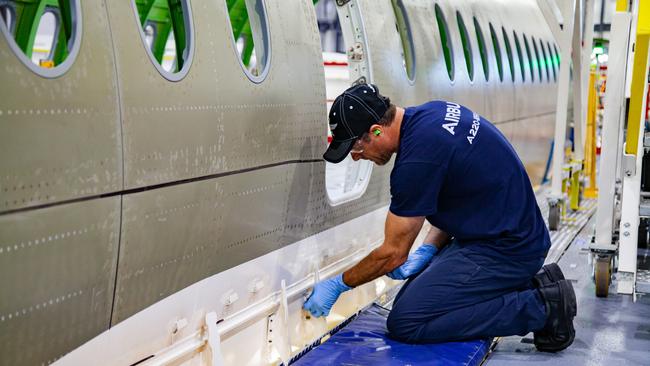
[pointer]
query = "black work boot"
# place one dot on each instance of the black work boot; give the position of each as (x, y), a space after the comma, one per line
(549, 274)
(558, 332)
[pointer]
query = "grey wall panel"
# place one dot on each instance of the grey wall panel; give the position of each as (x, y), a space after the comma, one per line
(499, 94)
(62, 134)
(385, 49)
(533, 97)
(532, 144)
(216, 119)
(178, 235)
(57, 270)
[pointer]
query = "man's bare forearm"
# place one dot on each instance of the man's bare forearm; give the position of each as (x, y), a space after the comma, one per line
(437, 237)
(399, 233)
(376, 264)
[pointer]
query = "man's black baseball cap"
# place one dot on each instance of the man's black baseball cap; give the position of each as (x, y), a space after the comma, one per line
(352, 114)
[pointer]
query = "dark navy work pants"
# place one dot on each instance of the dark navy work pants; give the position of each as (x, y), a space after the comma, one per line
(468, 292)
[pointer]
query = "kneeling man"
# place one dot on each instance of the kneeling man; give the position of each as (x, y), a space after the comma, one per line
(479, 272)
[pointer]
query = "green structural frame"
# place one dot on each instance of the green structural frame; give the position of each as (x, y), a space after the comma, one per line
(467, 47)
(28, 14)
(404, 30)
(241, 27)
(445, 41)
(165, 16)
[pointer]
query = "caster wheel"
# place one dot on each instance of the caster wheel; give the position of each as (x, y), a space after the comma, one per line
(603, 275)
(554, 217)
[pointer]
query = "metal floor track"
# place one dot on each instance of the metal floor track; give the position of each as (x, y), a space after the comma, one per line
(609, 331)
(570, 225)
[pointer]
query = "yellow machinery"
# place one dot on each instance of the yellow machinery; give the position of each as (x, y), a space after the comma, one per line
(590, 144)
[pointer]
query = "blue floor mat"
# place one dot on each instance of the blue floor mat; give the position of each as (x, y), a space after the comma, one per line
(364, 342)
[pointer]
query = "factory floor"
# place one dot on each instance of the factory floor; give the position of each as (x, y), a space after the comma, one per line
(609, 331)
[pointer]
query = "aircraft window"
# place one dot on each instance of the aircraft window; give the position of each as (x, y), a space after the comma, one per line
(150, 34)
(497, 51)
(45, 41)
(8, 14)
(348, 179)
(44, 37)
(521, 56)
(511, 62)
(250, 30)
(544, 62)
(530, 59)
(549, 61)
(447, 48)
(171, 44)
(467, 46)
(404, 29)
(537, 61)
(482, 50)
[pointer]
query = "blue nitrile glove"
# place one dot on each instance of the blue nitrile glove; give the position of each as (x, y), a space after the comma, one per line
(414, 263)
(324, 296)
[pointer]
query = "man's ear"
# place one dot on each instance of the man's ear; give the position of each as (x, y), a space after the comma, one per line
(376, 130)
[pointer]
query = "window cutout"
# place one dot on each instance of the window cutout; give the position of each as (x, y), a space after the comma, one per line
(445, 41)
(467, 46)
(250, 30)
(549, 61)
(169, 60)
(537, 61)
(45, 37)
(521, 56)
(171, 44)
(348, 179)
(8, 14)
(482, 50)
(404, 30)
(530, 60)
(150, 34)
(45, 41)
(511, 62)
(497, 51)
(544, 61)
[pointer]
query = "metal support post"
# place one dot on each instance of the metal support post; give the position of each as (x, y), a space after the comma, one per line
(611, 133)
(214, 339)
(564, 37)
(634, 153)
(590, 145)
(578, 87)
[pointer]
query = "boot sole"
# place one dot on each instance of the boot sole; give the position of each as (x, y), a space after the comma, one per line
(569, 307)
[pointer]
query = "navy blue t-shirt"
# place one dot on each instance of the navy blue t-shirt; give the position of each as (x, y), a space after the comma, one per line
(458, 170)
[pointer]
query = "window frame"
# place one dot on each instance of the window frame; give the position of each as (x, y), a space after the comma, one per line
(409, 46)
(551, 64)
(11, 10)
(266, 41)
(445, 42)
(541, 46)
(522, 71)
(74, 44)
(467, 45)
(509, 54)
(539, 64)
(497, 51)
(190, 43)
(530, 59)
(56, 13)
(482, 49)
